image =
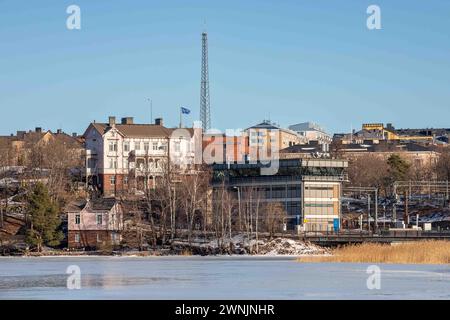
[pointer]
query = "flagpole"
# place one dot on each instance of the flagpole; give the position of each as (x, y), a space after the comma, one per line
(180, 117)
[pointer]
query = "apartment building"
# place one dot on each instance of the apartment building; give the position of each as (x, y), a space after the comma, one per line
(123, 157)
(222, 148)
(16, 148)
(377, 132)
(418, 155)
(312, 132)
(267, 138)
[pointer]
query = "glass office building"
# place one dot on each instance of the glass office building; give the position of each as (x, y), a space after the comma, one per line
(308, 189)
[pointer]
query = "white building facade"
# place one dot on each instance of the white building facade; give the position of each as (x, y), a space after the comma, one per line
(312, 132)
(122, 157)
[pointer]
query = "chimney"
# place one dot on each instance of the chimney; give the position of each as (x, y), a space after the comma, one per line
(59, 131)
(111, 121)
(159, 121)
(127, 120)
(38, 129)
(20, 134)
(74, 134)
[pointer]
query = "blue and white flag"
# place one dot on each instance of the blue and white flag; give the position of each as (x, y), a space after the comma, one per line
(185, 110)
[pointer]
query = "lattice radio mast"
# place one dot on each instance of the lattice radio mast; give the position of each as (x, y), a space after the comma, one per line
(205, 110)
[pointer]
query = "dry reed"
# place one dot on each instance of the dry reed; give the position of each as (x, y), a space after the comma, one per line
(423, 252)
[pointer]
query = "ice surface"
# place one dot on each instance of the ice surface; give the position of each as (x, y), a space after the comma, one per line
(232, 277)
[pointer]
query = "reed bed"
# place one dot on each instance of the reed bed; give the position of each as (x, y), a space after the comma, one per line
(423, 252)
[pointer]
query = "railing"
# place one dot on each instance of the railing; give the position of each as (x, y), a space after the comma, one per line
(363, 235)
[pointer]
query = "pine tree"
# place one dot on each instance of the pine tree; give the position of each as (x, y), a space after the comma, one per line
(398, 168)
(44, 220)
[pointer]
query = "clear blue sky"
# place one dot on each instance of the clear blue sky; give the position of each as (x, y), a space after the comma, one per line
(292, 61)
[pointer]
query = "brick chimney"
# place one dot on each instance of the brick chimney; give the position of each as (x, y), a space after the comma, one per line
(20, 134)
(111, 121)
(38, 129)
(127, 120)
(159, 121)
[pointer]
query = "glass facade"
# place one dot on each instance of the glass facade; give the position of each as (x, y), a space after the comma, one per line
(309, 189)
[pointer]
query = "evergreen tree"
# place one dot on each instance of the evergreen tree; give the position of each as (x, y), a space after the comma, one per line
(44, 221)
(398, 168)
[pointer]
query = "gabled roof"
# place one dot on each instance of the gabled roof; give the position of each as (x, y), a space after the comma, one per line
(138, 130)
(68, 140)
(75, 206)
(101, 204)
(267, 125)
(35, 137)
(97, 204)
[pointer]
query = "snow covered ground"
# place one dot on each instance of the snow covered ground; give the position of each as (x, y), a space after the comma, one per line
(274, 247)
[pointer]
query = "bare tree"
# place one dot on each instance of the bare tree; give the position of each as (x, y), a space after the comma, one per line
(274, 216)
(369, 170)
(55, 158)
(442, 168)
(4, 150)
(193, 190)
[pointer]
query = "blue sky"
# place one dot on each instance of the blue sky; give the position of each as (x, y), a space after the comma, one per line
(290, 61)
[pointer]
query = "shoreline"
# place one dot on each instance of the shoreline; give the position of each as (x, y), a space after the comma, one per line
(151, 256)
(237, 246)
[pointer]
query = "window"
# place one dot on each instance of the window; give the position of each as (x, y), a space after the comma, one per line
(155, 146)
(112, 180)
(163, 146)
(319, 205)
(146, 146)
(114, 237)
(177, 146)
(278, 192)
(77, 237)
(126, 146)
(99, 238)
(77, 219)
(293, 192)
(99, 219)
(125, 180)
(137, 145)
(92, 163)
(112, 163)
(112, 146)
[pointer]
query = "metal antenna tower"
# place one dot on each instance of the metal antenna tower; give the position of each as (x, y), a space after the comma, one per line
(205, 110)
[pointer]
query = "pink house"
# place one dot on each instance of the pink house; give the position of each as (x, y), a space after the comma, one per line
(92, 223)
